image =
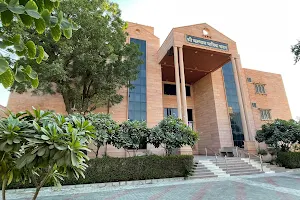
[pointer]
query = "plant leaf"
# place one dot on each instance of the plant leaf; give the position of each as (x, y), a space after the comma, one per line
(11, 175)
(15, 8)
(56, 33)
(41, 55)
(40, 25)
(35, 82)
(32, 9)
(6, 17)
(3, 6)
(31, 49)
(3, 65)
(68, 33)
(7, 78)
(27, 20)
(46, 16)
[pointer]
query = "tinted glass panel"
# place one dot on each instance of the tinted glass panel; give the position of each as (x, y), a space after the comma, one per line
(170, 89)
(188, 91)
(232, 100)
(137, 95)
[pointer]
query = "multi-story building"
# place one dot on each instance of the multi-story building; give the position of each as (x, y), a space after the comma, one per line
(196, 74)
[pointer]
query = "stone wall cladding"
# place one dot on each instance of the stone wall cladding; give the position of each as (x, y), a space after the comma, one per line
(223, 120)
(274, 99)
(206, 117)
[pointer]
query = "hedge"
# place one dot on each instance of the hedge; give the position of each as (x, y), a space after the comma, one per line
(110, 169)
(289, 159)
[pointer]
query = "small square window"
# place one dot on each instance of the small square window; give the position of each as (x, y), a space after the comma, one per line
(265, 114)
(260, 89)
(249, 79)
(253, 105)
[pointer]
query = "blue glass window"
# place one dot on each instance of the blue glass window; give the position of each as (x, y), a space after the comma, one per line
(137, 109)
(232, 101)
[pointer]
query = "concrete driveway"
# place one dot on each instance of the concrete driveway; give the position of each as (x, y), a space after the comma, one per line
(285, 186)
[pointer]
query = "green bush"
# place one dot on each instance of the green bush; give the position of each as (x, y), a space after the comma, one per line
(289, 159)
(108, 169)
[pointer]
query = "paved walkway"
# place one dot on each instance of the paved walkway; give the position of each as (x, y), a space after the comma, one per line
(281, 186)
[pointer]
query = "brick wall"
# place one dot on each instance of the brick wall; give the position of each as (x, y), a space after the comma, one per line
(274, 99)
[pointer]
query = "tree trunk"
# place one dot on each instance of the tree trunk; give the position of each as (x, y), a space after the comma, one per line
(108, 106)
(68, 103)
(105, 150)
(4, 182)
(38, 188)
(97, 152)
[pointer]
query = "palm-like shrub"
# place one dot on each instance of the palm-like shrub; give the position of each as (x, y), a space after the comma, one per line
(44, 146)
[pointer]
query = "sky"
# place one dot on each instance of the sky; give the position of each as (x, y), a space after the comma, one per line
(264, 31)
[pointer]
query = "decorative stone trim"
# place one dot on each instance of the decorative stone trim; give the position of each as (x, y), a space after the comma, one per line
(108, 184)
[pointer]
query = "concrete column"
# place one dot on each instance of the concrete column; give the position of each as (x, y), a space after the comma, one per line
(250, 144)
(241, 103)
(185, 150)
(182, 78)
(177, 80)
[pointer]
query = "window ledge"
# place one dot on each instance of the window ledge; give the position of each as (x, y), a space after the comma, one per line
(264, 94)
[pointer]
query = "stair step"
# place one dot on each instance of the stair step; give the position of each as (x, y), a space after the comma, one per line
(203, 173)
(201, 170)
(241, 170)
(244, 173)
(204, 176)
(238, 168)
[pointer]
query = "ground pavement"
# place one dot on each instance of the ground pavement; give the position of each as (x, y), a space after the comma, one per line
(281, 186)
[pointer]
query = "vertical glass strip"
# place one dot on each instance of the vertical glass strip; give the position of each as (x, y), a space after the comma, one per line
(233, 105)
(137, 96)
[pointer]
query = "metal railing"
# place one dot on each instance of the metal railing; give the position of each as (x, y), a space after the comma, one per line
(238, 150)
(216, 155)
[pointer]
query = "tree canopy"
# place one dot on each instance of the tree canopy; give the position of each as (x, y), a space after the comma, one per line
(280, 134)
(38, 16)
(296, 51)
(90, 68)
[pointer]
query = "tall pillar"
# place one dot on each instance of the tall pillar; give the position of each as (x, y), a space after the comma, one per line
(183, 95)
(185, 150)
(177, 80)
(241, 103)
(249, 144)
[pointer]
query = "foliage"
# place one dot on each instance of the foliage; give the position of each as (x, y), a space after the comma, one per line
(105, 130)
(90, 68)
(262, 152)
(133, 134)
(108, 169)
(296, 51)
(37, 16)
(288, 159)
(280, 134)
(48, 145)
(172, 133)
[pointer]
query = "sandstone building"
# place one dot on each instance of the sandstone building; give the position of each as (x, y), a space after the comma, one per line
(197, 75)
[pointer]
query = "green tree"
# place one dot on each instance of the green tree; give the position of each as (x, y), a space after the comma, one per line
(90, 68)
(105, 130)
(296, 51)
(280, 134)
(172, 133)
(43, 147)
(134, 135)
(34, 15)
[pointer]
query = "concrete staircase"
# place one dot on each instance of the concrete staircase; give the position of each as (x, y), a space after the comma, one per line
(236, 166)
(200, 171)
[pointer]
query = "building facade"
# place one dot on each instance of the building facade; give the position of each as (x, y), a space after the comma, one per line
(196, 74)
